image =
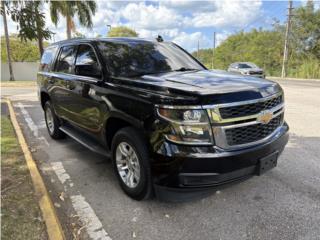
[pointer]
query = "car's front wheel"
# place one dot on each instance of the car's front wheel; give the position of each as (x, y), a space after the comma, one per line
(131, 163)
(52, 122)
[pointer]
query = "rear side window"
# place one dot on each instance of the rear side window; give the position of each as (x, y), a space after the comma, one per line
(47, 58)
(86, 56)
(66, 58)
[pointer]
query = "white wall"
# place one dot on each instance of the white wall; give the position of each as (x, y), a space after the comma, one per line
(22, 71)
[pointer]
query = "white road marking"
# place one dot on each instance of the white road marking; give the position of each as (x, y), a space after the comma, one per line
(84, 211)
(94, 226)
(60, 172)
(42, 124)
(33, 127)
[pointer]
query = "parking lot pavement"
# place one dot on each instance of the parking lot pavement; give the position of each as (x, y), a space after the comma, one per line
(282, 204)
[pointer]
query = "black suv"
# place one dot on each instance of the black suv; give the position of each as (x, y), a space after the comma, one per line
(169, 125)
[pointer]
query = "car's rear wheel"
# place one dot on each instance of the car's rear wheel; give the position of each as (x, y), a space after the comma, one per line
(131, 163)
(52, 122)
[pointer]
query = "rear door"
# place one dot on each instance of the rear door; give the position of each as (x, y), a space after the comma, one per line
(45, 68)
(62, 81)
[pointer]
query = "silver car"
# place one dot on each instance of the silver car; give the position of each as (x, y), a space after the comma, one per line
(246, 68)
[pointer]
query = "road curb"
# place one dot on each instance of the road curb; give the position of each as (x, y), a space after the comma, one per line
(293, 79)
(49, 214)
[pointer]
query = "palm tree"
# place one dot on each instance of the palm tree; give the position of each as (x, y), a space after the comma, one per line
(3, 12)
(69, 9)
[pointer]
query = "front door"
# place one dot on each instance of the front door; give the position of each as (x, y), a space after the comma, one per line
(85, 107)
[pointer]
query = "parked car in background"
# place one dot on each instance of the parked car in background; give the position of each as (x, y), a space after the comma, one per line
(246, 68)
(169, 125)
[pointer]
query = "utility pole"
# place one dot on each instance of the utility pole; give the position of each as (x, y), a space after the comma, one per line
(198, 49)
(286, 42)
(109, 28)
(7, 40)
(213, 48)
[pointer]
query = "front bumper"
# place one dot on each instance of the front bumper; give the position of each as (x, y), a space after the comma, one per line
(199, 169)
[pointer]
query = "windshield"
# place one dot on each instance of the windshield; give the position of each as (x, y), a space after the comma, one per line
(138, 58)
(247, 65)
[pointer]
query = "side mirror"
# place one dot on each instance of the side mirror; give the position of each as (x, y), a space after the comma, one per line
(88, 70)
(237, 67)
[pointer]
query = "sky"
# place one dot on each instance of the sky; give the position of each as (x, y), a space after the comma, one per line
(183, 22)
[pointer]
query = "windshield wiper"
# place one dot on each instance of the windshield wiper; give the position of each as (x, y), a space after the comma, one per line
(184, 69)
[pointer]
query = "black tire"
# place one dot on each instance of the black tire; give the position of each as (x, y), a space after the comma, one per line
(131, 136)
(53, 130)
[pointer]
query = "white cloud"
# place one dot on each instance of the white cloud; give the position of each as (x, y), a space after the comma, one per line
(151, 17)
(165, 33)
(189, 6)
(227, 14)
(190, 41)
(182, 21)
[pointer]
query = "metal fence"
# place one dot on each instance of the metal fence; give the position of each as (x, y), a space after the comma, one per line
(23, 71)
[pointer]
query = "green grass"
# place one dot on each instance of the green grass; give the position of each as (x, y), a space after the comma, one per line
(20, 213)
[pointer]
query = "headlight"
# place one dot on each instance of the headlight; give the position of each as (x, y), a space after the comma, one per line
(187, 126)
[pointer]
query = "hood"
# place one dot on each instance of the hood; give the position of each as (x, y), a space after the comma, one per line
(207, 82)
(199, 87)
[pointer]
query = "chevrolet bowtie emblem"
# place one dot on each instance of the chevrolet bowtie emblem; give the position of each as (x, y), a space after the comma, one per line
(264, 117)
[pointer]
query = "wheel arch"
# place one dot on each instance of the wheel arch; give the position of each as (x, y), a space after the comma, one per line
(114, 123)
(44, 97)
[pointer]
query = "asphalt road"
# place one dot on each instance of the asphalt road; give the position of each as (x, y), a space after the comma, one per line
(282, 204)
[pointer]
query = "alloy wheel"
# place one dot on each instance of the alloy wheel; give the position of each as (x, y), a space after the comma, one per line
(128, 165)
(49, 120)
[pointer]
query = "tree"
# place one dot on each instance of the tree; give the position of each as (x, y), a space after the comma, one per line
(21, 51)
(84, 10)
(261, 47)
(3, 12)
(306, 30)
(265, 47)
(31, 21)
(122, 32)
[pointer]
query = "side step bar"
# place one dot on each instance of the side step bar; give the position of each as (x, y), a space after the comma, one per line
(85, 141)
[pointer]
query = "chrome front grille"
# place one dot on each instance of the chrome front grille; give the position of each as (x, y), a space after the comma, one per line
(242, 124)
(252, 133)
(249, 109)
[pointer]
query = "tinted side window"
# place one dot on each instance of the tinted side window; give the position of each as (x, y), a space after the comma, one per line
(66, 59)
(86, 62)
(47, 58)
(86, 56)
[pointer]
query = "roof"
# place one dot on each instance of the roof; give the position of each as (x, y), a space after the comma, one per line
(110, 39)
